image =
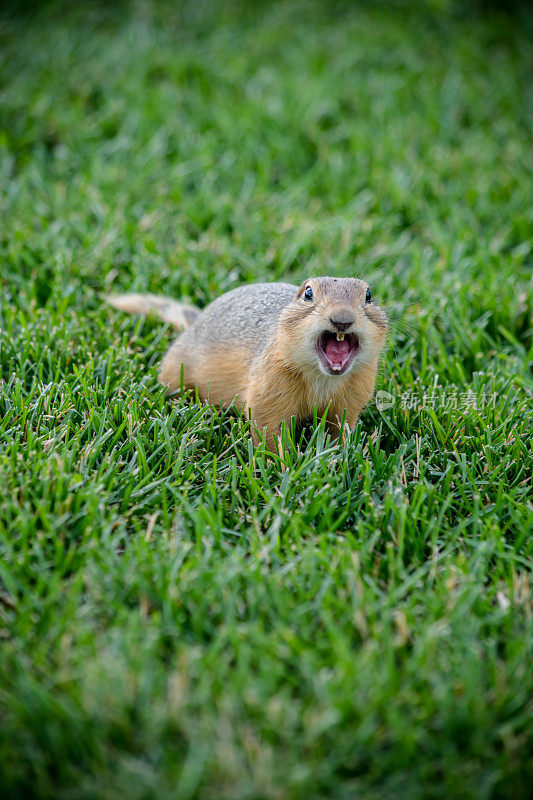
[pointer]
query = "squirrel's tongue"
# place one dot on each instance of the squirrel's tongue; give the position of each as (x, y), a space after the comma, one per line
(337, 353)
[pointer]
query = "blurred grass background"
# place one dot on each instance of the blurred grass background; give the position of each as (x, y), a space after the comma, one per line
(179, 616)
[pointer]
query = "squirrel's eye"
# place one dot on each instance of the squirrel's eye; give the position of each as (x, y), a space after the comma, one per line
(308, 294)
(368, 296)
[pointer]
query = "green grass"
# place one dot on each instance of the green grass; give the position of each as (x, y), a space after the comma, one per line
(181, 617)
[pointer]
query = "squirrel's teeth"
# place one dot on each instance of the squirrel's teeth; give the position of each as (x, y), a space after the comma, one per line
(336, 367)
(340, 336)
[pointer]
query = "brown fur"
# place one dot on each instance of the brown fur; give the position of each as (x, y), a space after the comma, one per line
(218, 377)
(277, 393)
(258, 343)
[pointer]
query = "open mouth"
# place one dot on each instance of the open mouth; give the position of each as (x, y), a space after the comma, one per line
(337, 350)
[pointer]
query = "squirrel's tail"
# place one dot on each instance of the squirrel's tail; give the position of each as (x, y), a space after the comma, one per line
(180, 315)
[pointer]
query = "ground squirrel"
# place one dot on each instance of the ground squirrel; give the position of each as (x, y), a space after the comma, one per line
(282, 350)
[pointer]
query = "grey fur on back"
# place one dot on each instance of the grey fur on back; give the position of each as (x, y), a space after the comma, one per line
(247, 315)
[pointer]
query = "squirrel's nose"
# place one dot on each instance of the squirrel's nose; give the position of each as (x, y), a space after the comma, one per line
(342, 320)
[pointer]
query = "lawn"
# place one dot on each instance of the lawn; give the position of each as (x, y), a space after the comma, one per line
(184, 617)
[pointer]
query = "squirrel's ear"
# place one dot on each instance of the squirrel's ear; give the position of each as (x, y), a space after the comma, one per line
(300, 291)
